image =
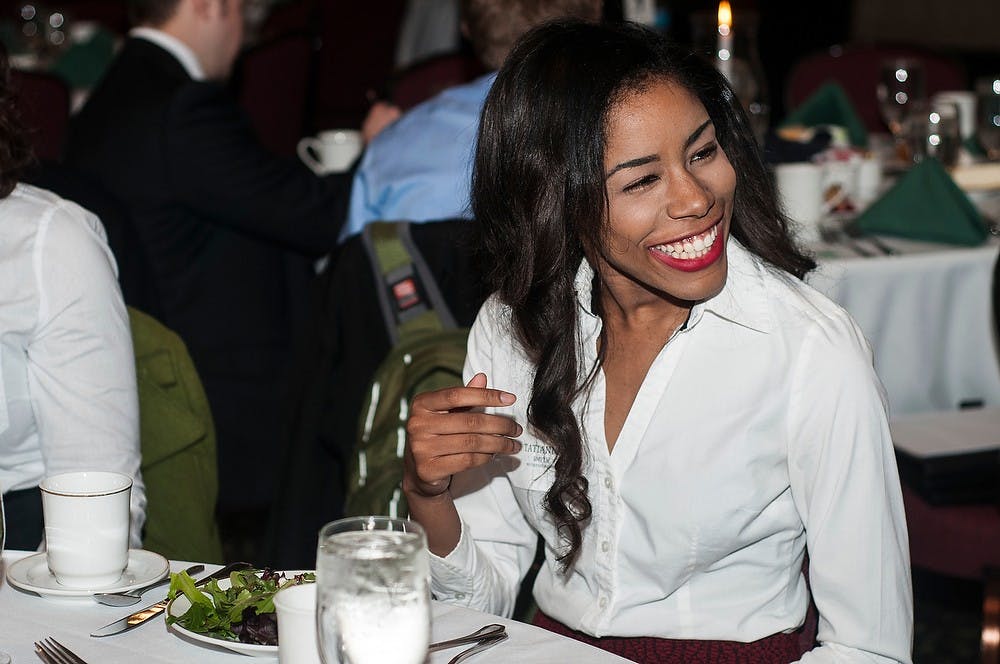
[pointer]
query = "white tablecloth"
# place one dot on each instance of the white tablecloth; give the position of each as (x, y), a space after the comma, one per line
(26, 618)
(927, 314)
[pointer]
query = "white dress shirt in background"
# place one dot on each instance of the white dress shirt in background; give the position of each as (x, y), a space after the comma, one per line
(68, 396)
(759, 432)
(173, 46)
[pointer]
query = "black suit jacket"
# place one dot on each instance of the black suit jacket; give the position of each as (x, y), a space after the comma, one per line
(228, 229)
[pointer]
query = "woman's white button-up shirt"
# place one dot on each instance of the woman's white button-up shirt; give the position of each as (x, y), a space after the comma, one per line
(759, 432)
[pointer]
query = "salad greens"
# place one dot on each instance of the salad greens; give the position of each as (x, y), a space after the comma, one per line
(243, 612)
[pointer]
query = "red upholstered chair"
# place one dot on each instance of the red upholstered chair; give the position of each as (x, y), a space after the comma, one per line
(424, 79)
(273, 85)
(357, 55)
(955, 540)
(287, 18)
(44, 103)
(856, 69)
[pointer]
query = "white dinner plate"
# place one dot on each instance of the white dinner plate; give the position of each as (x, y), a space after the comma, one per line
(179, 605)
(32, 574)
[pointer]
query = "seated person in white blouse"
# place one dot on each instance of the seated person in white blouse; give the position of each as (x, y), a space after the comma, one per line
(670, 407)
(68, 396)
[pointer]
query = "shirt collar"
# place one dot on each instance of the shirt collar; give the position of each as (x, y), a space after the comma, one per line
(742, 301)
(175, 47)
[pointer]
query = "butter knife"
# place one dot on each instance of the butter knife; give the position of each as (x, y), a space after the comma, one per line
(142, 616)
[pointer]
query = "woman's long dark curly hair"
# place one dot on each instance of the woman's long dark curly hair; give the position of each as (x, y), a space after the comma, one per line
(15, 149)
(539, 198)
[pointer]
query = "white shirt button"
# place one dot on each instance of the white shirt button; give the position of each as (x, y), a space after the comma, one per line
(604, 602)
(459, 595)
(605, 545)
(607, 482)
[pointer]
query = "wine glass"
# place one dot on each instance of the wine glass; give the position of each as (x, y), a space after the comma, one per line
(932, 129)
(988, 115)
(373, 591)
(900, 84)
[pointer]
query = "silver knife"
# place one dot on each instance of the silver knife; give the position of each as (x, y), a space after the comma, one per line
(142, 616)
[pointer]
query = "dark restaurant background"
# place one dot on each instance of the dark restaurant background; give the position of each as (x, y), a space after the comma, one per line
(966, 30)
(354, 46)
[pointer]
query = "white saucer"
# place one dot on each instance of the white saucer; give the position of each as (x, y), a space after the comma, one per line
(32, 574)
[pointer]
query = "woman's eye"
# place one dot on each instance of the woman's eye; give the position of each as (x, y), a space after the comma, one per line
(641, 183)
(706, 153)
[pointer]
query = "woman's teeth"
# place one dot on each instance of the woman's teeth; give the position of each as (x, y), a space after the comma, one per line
(691, 247)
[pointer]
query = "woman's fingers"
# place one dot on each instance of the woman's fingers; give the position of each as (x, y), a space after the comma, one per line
(447, 455)
(435, 423)
(452, 398)
(463, 443)
(448, 433)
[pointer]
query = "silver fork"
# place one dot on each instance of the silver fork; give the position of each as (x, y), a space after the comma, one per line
(479, 647)
(53, 652)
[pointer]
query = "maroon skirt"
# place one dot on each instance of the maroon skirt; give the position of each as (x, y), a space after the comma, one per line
(776, 649)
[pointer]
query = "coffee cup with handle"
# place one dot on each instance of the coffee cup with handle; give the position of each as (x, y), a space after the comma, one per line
(331, 151)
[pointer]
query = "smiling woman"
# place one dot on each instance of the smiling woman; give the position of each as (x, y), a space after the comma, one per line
(676, 414)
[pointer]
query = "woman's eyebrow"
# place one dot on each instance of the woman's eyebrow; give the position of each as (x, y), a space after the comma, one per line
(641, 161)
(696, 133)
(632, 163)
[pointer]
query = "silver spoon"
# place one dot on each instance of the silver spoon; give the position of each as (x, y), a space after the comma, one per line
(133, 596)
(481, 634)
(479, 647)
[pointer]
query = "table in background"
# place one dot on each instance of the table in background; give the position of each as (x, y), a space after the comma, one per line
(27, 618)
(926, 312)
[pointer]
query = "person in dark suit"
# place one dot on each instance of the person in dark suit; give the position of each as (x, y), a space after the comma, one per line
(229, 230)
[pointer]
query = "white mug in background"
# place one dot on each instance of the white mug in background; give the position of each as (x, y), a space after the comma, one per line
(297, 640)
(803, 196)
(868, 182)
(86, 527)
(839, 182)
(331, 151)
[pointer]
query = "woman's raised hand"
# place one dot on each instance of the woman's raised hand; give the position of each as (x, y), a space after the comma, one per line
(445, 435)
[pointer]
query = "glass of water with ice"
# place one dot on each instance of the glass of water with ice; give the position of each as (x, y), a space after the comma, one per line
(373, 591)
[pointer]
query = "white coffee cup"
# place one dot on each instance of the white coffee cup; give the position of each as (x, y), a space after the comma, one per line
(802, 188)
(331, 151)
(869, 181)
(297, 640)
(86, 527)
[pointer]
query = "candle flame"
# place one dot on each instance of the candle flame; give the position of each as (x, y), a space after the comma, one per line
(725, 17)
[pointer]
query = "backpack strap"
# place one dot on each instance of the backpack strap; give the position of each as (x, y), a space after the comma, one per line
(407, 292)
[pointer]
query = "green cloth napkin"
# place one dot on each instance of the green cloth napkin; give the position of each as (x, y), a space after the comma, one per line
(83, 64)
(973, 147)
(829, 105)
(927, 205)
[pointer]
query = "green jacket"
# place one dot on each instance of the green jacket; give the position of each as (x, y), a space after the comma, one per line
(178, 446)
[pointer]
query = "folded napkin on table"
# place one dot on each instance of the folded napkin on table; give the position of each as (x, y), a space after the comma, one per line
(829, 105)
(927, 205)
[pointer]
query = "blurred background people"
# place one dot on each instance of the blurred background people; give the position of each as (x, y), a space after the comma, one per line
(67, 373)
(228, 230)
(420, 168)
(429, 27)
